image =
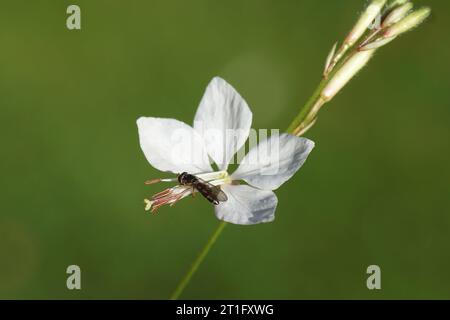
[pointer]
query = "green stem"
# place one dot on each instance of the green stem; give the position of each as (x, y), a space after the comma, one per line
(307, 115)
(306, 109)
(187, 277)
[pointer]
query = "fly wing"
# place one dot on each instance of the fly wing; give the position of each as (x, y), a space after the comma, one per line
(220, 195)
(213, 193)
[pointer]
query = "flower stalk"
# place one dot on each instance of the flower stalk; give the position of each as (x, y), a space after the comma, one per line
(198, 261)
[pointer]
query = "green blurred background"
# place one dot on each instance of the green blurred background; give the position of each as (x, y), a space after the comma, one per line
(374, 191)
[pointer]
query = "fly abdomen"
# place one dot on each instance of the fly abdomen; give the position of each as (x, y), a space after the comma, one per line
(205, 190)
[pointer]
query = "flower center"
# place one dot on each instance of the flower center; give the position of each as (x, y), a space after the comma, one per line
(216, 178)
(172, 195)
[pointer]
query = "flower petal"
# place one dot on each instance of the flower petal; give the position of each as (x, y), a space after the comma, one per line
(273, 161)
(223, 119)
(172, 145)
(246, 205)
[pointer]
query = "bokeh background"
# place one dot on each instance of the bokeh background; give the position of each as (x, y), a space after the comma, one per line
(374, 191)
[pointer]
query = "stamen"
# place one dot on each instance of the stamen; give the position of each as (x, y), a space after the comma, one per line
(180, 196)
(218, 182)
(169, 196)
(213, 175)
(162, 194)
(153, 181)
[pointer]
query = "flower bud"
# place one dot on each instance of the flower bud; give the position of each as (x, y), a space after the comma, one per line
(397, 14)
(396, 3)
(410, 21)
(376, 44)
(364, 21)
(346, 73)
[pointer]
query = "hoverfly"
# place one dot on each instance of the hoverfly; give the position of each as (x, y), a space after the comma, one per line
(212, 193)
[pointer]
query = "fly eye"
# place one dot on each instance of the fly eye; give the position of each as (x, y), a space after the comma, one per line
(182, 177)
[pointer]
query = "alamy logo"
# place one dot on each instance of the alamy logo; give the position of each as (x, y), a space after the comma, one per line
(265, 159)
(374, 280)
(74, 280)
(73, 21)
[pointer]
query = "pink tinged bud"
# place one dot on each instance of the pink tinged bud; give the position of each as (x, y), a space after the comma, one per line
(364, 21)
(397, 14)
(409, 22)
(346, 73)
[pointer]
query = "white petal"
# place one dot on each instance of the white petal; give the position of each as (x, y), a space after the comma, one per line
(172, 145)
(273, 161)
(223, 119)
(247, 205)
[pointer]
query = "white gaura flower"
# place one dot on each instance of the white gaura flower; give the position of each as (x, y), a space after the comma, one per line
(173, 146)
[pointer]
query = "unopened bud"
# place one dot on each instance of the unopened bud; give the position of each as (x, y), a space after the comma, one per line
(396, 3)
(397, 14)
(346, 73)
(364, 21)
(376, 44)
(409, 22)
